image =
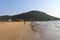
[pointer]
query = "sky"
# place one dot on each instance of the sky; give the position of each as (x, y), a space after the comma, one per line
(12, 7)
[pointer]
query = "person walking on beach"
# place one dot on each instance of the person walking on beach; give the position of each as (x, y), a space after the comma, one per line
(24, 22)
(33, 27)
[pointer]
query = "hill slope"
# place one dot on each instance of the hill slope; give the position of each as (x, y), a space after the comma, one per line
(30, 16)
(35, 16)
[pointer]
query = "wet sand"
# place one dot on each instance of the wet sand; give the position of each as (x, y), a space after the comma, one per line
(17, 31)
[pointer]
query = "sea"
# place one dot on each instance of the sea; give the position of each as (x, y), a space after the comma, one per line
(48, 30)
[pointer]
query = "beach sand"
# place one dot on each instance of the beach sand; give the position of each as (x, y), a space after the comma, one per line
(17, 31)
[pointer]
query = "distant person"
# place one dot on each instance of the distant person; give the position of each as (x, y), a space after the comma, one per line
(24, 22)
(33, 26)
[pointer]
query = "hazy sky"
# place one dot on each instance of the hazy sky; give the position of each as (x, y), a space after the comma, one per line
(11, 7)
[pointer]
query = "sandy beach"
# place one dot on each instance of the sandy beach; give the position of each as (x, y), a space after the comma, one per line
(17, 31)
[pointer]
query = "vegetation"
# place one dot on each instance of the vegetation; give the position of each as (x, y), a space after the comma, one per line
(30, 16)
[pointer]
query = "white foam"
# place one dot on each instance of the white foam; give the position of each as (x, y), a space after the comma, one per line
(49, 30)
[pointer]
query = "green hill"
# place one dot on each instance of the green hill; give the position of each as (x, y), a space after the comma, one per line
(30, 16)
(34, 16)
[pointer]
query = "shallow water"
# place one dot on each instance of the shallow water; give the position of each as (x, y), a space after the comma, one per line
(48, 30)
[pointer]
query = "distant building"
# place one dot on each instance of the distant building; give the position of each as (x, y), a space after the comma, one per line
(10, 20)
